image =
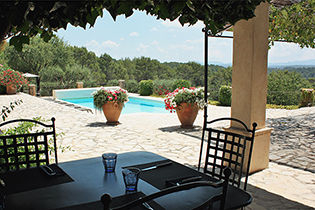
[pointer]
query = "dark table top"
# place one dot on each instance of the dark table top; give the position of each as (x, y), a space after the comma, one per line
(90, 182)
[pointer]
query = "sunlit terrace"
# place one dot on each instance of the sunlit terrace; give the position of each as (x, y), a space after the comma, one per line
(286, 184)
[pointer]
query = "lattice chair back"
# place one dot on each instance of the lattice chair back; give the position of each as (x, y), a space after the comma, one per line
(229, 148)
(29, 149)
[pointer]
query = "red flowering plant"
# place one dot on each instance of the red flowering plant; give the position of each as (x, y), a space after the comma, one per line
(13, 78)
(161, 91)
(103, 95)
(190, 95)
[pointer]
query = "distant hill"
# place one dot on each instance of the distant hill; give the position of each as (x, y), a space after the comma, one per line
(306, 72)
(295, 64)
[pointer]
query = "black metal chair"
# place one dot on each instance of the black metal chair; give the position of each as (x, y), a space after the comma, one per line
(30, 149)
(208, 204)
(228, 148)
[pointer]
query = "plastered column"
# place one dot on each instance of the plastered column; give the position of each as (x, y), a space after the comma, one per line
(249, 80)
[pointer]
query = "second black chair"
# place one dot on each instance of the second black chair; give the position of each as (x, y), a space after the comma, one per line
(227, 148)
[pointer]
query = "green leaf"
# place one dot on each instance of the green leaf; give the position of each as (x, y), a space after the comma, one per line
(190, 5)
(17, 41)
(183, 19)
(163, 14)
(46, 36)
(91, 18)
(23, 27)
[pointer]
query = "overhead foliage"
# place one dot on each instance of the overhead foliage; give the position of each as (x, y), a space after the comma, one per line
(295, 23)
(24, 19)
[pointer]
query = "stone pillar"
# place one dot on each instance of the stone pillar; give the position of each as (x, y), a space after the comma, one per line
(79, 84)
(32, 89)
(249, 80)
(122, 84)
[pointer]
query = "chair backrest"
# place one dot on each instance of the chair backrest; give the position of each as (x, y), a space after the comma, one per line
(208, 204)
(231, 148)
(27, 149)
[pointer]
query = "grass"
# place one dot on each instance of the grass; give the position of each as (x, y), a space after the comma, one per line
(289, 107)
(157, 96)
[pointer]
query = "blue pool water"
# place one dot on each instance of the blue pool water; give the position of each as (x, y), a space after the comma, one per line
(134, 105)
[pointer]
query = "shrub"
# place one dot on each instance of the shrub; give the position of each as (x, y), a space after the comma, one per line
(283, 97)
(146, 87)
(113, 82)
(46, 88)
(91, 83)
(165, 83)
(132, 86)
(307, 97)
(284, 87)
(225, 95)
(181, 83)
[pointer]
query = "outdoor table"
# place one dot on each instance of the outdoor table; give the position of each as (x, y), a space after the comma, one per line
(89, 182)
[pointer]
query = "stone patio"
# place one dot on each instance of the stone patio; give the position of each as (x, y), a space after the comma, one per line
(288, 183)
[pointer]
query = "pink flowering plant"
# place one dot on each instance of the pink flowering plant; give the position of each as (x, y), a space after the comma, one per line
(190, 95)
(11, 77)
(103, 95)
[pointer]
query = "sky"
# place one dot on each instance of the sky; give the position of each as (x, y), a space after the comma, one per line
(144, 35)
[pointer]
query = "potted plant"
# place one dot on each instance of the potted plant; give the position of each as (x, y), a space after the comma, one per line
(111, 102)
(12, 80)
(187, 102)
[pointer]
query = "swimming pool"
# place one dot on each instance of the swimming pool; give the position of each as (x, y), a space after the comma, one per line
(134, 105)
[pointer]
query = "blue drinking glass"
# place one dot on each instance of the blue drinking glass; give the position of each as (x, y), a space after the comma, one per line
(109, 161)
(131, 178)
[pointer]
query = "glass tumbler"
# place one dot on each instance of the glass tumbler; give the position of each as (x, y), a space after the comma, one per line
(109, 161)
(131, 178)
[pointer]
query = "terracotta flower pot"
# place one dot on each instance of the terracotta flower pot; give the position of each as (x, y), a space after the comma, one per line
(11, 89)
(187, 114)
(112, 112)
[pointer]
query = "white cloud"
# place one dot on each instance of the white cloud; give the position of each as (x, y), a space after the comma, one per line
(134, 34)
(154, 43)
(183, 47)
(162, 50)
(121, 39)
(110, 44)
(154, 29)
(142, 48)
(174, 23)
(284, 52)
(92, 43)
(201, 40)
